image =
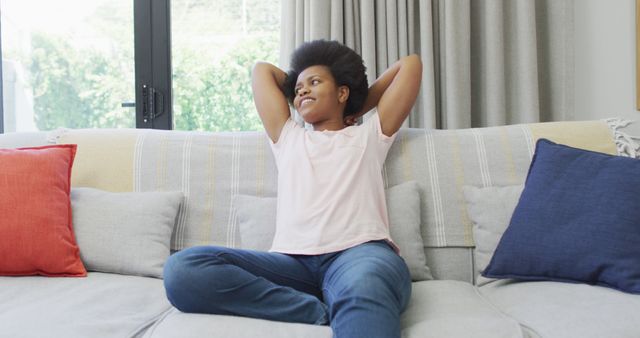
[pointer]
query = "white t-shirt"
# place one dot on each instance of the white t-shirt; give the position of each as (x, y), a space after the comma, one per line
(330, 190)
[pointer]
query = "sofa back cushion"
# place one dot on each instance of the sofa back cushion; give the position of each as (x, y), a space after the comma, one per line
(211, 168)
(125, 232)
(444, 161)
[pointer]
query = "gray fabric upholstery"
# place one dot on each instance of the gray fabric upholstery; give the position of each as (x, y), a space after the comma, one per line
(490, 210)
(443, 161)
(450, 263)
(454, 309)
(256, 221)
(437, 309)
(211, 168)
(189, 325)
(403, 204)
(100, 305)
(127, 233)
(564, 310)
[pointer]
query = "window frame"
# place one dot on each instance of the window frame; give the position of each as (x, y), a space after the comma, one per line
(152, 49)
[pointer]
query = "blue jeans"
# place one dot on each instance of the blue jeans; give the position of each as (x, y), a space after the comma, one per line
(360, 291)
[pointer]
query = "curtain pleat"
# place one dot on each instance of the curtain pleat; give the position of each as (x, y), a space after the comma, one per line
(485, 62)
(426, 107)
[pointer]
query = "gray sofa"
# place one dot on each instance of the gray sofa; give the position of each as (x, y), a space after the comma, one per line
(211, 170)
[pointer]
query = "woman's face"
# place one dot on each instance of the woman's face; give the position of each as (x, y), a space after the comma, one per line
(317, 96)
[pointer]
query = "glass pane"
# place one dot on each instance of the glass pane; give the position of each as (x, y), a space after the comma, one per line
(214, 46)
(67, 63)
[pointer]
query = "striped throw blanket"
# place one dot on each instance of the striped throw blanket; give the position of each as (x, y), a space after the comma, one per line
(210, 168)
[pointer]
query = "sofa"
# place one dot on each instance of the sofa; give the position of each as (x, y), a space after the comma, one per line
(139, 195)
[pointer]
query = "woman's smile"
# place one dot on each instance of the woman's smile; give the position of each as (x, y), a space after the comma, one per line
(306, 101)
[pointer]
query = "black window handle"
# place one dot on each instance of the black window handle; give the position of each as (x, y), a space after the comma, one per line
(152, 103)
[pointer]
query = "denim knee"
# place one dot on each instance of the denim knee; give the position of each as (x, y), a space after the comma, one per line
(371, 276)
(183, 280)
(367, 279)
(175, 278)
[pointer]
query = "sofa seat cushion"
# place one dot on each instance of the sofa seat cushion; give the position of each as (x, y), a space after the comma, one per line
(100, 305)
(446, 308)
(564, 310)
(194, 325)
(438, 308)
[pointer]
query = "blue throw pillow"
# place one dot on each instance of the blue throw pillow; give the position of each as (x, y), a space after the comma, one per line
(577, 220)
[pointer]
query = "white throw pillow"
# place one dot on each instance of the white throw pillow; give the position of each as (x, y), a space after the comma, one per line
(490, 210)
(257, 224)
(127, 233)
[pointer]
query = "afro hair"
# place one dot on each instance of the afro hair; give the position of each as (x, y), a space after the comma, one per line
(345, 65)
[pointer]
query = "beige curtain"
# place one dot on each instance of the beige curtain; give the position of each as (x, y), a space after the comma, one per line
(485, 62)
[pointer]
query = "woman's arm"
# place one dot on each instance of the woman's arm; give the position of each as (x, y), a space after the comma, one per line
(266, 82)
(394, 93)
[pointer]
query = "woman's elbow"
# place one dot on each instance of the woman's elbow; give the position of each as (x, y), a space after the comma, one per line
(259, 66)
(414, 60)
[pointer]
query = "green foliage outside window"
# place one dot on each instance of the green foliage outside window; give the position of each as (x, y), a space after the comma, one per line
(217, 96)
(76, 90)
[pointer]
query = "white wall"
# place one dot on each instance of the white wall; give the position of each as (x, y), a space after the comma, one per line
(605, 60)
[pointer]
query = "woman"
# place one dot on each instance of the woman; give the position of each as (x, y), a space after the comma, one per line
(332, 260)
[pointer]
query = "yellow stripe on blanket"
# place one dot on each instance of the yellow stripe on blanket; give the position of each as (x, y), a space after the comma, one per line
(104, 159)
(590, 135)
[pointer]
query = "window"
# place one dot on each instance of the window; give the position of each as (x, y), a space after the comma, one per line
(67, 63)
(214, 45)
(71, 63)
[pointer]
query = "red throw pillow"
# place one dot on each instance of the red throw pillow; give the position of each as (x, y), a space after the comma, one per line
(36, 235)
